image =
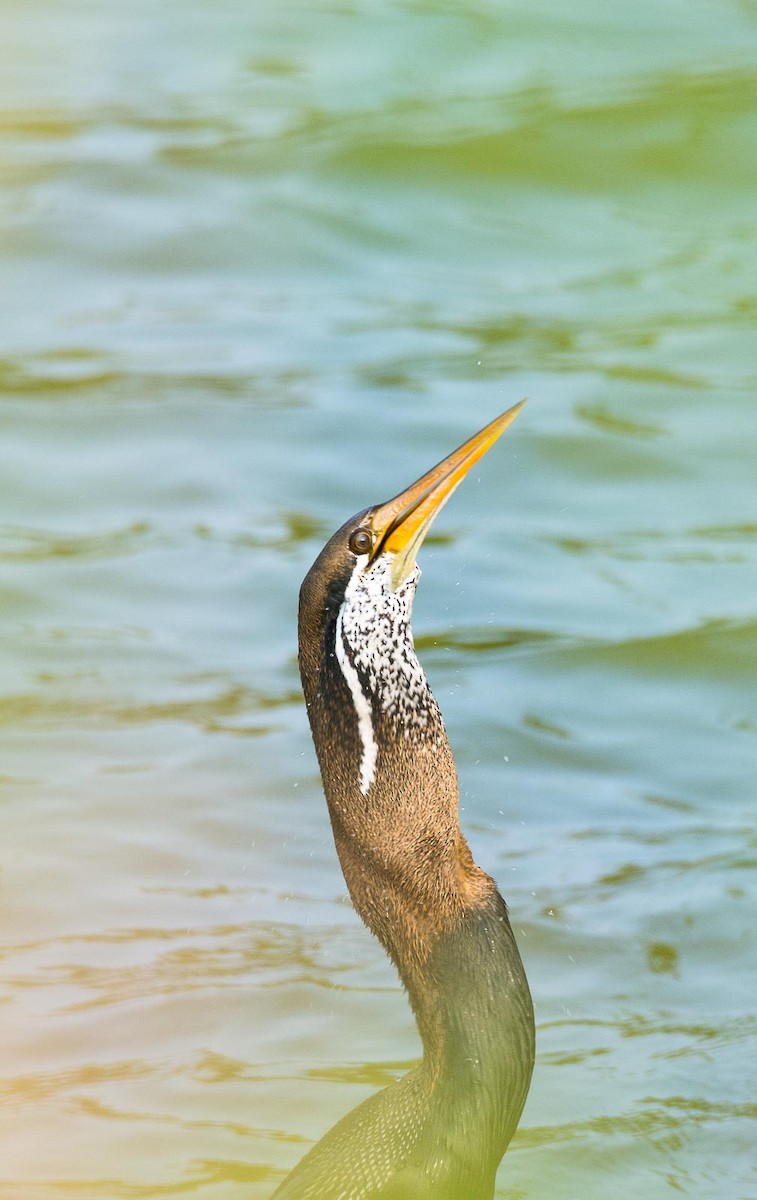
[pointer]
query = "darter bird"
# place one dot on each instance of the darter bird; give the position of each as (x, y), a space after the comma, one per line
(439, 1132)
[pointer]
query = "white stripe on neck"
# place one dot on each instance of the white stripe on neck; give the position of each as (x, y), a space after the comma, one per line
(362, 704)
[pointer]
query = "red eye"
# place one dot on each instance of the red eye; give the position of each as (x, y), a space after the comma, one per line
(361, 542)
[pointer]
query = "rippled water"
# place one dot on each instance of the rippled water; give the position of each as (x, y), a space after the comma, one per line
(262, 264)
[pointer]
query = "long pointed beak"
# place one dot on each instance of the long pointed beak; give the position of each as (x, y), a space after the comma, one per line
(400, 525)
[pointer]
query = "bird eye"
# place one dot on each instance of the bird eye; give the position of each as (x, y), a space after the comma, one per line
(361, 542)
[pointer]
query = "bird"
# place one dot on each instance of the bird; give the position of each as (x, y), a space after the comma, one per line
(439, 1131)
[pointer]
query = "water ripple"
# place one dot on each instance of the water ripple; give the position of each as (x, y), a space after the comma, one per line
(18, 544)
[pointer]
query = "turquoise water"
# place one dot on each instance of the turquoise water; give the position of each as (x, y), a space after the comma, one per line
(262, 265)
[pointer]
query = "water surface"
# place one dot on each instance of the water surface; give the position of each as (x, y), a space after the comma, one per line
(262, 264)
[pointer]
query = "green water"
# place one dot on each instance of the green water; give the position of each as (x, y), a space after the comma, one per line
(263, 264)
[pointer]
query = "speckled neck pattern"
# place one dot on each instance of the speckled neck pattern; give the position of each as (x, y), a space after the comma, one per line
(375, 652)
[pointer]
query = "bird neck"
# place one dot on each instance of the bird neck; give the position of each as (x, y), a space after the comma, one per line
(387, 770)
(475, 1015)
(391, 787)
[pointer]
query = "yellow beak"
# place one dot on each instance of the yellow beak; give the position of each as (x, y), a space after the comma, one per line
(400, 525)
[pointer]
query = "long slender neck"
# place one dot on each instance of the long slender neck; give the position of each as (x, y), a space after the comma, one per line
(388, 773)
(391, 787)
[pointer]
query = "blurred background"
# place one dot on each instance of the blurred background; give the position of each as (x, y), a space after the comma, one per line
(264, 263)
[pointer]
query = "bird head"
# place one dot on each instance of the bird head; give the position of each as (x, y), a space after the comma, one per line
(356, 603)
(377, 548)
